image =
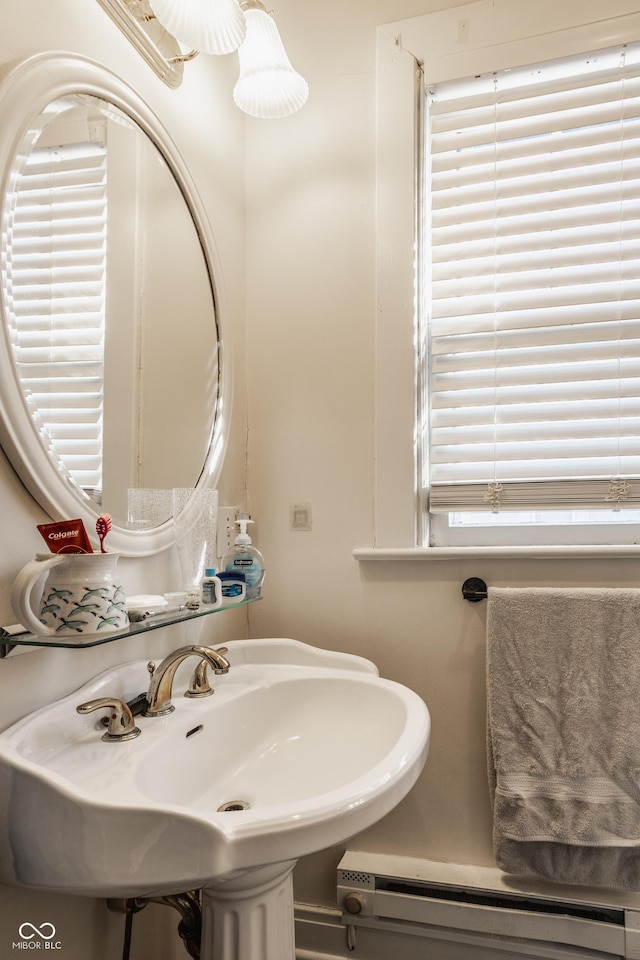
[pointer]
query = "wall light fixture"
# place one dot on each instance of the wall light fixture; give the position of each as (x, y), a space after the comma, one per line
(267, 87)
(210, 26)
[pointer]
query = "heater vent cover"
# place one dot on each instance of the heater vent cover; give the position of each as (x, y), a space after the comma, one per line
(504, 901)
(469, 904)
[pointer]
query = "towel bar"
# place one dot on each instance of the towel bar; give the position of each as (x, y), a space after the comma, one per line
(474, 589)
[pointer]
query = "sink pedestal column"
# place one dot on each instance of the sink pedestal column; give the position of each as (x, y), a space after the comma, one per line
(250, 917)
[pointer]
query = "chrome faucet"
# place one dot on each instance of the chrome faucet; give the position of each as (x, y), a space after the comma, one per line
(160, 688)
(121, 723)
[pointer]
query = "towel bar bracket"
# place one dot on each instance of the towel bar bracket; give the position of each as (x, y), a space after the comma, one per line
(474, 589)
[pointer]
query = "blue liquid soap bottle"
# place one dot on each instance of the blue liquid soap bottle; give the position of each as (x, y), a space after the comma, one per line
(245, 558)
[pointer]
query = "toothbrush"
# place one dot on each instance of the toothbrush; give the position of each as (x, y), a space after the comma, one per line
(103, 525)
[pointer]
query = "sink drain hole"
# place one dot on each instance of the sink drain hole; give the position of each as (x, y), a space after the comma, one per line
(232, 805)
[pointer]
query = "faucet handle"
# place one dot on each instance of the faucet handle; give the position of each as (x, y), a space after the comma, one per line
(199, 685)
(121, 723)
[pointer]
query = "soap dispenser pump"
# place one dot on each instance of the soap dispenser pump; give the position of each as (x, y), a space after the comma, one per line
(245, 558)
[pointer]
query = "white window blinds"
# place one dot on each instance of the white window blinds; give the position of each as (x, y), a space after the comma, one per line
(55, 273)
(534, 250)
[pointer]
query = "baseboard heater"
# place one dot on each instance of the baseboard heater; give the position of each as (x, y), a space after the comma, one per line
(375, 890)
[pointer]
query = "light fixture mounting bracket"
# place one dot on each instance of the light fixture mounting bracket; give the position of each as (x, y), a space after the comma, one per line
(157, 46)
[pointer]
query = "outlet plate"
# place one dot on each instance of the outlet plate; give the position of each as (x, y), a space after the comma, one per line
(300, 516)
(227, 529)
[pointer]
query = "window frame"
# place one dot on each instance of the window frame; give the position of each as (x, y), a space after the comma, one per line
(477, 37)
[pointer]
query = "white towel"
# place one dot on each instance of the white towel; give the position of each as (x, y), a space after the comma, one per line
(563, 688)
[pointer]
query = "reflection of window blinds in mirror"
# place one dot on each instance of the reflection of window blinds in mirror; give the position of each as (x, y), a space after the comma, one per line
(56, 285)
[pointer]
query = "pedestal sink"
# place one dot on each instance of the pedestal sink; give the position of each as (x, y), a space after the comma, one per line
(297, 750)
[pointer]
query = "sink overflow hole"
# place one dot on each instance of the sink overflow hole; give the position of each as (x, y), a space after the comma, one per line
(233, 805)
(194, 730)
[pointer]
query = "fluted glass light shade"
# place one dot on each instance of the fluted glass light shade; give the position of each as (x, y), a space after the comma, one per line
(268, 86)
(210, 26)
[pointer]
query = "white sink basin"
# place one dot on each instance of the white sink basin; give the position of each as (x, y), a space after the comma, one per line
(315, 744)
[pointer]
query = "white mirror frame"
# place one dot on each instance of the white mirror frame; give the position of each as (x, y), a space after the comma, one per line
(24, 94)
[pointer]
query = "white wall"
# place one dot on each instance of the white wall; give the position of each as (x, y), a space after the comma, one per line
(208, 131)
(311, 315)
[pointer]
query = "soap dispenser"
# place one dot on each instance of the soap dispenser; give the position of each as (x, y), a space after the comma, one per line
(245, 558)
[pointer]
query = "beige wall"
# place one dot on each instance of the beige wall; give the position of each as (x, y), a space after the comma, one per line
(307, 242)
(208, 131)
(311, 314)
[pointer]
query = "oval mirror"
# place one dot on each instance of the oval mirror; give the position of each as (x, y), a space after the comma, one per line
(112, 384)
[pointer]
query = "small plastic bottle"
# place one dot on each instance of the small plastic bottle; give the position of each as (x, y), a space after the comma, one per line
(234, 586)
(211, 589)
(245, 558)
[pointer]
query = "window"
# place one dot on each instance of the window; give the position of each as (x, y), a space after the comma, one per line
(55, 274)
(533, 293)
(480, 39)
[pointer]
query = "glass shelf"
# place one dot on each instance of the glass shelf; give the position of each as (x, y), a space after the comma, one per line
(143, 626)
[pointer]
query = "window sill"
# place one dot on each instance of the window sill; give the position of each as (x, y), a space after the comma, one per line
(577, 552)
